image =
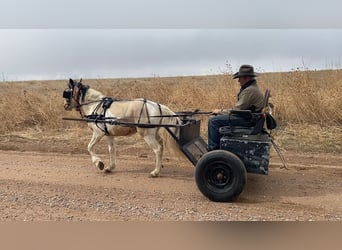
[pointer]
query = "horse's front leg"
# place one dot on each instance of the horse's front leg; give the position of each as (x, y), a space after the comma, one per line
(94, 157)
(112, 154)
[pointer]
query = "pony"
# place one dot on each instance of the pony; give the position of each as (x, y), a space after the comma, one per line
(93, 105)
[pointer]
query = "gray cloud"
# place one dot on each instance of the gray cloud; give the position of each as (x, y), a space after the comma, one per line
(63, 53)
(128, 38)
(170, 14)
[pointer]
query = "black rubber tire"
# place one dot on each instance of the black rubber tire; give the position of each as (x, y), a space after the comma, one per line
(220, 175)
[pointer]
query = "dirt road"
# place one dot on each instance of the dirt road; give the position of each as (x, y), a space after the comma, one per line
(49, 186)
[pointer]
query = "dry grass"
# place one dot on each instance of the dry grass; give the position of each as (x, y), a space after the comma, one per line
(306, 101)
(308, 97)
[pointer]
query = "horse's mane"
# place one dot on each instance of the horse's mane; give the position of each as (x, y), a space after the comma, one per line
(93, 95)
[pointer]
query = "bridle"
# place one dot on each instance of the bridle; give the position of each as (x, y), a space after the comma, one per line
(75, 92)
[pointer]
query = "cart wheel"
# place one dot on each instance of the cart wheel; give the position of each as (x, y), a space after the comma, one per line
(220, 175)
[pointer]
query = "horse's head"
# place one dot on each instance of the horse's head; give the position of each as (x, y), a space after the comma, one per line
(74, 94)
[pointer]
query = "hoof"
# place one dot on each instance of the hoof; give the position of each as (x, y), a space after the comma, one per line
(107, 171)
(100, 165)
(153, 175)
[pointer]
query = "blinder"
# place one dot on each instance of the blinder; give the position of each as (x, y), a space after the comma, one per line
(67, 94)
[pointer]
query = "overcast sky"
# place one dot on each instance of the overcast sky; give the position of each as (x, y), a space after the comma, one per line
(131, 38)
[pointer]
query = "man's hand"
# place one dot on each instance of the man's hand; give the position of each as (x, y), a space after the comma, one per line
(216, 111)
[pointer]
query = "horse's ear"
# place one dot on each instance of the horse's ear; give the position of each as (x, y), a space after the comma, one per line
(71, 83)
(81, 79)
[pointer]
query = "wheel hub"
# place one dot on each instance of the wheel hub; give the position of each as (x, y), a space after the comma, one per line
(220, 177)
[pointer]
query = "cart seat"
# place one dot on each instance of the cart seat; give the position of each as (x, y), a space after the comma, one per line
(245, 130)
(257, 118)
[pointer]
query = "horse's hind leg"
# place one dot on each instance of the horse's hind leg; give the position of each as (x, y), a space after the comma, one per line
(94, 157)
(112, 158)
(156, 143)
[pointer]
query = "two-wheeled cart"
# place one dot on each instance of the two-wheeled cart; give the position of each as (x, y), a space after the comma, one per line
(220, 174)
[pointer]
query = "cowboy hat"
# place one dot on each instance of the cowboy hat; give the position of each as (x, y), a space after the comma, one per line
(245, 70)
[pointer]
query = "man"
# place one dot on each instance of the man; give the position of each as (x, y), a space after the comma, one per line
(249, 97)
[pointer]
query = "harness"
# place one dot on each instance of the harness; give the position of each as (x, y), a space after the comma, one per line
(98, 116)
(80, 95)
(103, 105)
(99, 113)
(147, 114)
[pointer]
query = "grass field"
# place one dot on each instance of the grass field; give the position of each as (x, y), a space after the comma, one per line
(308, 104)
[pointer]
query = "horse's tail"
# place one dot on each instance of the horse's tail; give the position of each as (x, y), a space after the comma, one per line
(169, 143)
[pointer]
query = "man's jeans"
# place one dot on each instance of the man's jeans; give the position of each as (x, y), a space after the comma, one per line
(218, 121)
